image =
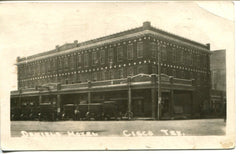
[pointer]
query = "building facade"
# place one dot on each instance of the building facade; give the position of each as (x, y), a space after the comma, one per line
(122, 67)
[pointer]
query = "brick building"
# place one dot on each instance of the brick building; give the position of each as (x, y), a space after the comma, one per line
(122, 67)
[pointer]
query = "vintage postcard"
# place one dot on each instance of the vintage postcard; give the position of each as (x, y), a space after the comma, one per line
(117, 75)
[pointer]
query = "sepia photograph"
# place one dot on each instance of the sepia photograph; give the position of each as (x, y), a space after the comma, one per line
(121, 75)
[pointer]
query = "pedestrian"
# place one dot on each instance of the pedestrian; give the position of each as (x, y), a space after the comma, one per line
(76, 113)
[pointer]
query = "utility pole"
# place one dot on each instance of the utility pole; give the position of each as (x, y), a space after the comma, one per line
(159, 105)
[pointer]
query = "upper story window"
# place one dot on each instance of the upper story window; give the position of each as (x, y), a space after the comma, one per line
(62, 63)
(163, 51)
(102, 56)
(29, 69)
(178, 56)
(106, 74)
(48, 63)
(99, 75)
(185, 57)
(45, 67)
(86, 60)
(54, 65)
(103, 75)
(181, 56)
(79, 61)
(153, 48)
(206, 62)
(120, 71)
(42, 68)
(49, 66)
(94, 58)
(119, 53)
(37, 68)
(59, 63)
(110, 55)
(71, 62)
(189, 58)
(174, 73)
(198, 60)
(66, 62)
(130, 71)
(111, 74)
(130, 51)
(154, 70)
(164, 70)
(139, 49)
(140, 69)
(174, 54)
(169, 55)
(94, 76)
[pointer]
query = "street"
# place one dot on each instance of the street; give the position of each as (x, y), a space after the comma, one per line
(199, 127)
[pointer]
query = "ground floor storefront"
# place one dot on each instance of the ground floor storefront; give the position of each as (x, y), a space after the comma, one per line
(127, 98)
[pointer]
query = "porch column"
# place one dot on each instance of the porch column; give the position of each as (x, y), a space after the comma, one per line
(129, 94)
(171, 97)
(58, 103)
(40, 99)
(89, 97)
(153, 94)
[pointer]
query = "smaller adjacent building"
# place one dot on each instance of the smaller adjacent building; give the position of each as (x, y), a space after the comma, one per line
(218, 77)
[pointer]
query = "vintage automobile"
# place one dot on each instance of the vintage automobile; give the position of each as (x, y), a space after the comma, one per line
(110, 110)
(91, 111)
(68, 112)
(25, 111)
(47, 112)
(15, 113)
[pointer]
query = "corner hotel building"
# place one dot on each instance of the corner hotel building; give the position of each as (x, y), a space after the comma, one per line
(124, 68)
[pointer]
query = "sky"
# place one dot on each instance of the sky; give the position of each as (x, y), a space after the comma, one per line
(31, 28)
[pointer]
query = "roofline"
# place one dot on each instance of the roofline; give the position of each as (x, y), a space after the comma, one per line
(146, 26)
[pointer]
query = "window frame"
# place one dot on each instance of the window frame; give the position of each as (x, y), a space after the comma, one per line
(120, 50)
(79, 60)
(140, 49)
(102, 56)
(86, 60)
(94, 58)
(110, 55)
(130, 51)
(153, 49)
